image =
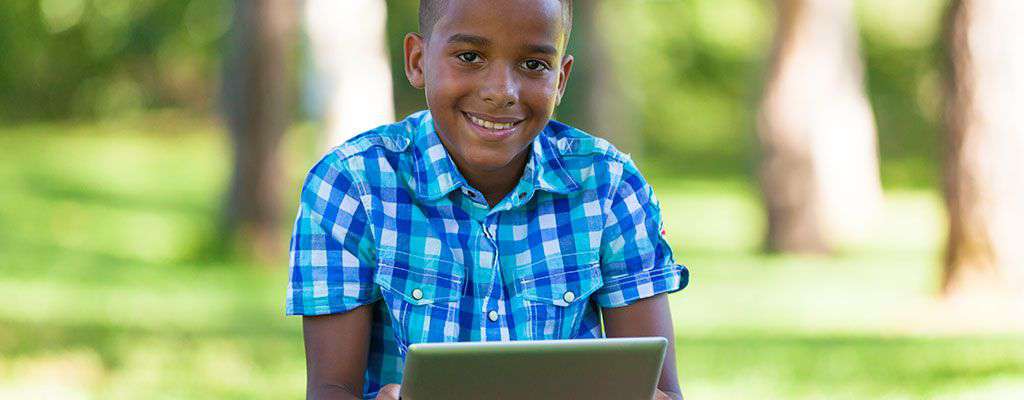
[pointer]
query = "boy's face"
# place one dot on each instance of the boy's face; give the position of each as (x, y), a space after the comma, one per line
(493, 72)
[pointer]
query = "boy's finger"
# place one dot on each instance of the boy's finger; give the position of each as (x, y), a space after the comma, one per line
(389, 392)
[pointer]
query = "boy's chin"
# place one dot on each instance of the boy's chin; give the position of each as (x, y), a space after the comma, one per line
(489, 162)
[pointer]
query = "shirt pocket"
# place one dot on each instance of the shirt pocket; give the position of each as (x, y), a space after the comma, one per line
(422, 297)
(555, 295)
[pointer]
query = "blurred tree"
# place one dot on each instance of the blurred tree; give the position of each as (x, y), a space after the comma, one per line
(902, 49)
(595, 99)
(984, 174)
(819, 168)
(106, 58)
(403, 17)
(351, 82)
(256, 101)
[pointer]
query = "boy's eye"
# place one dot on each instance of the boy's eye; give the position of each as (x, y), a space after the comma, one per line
(468, 57)
(535, 65)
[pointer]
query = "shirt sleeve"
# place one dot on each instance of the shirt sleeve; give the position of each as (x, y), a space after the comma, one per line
(332, 258)
(636, 261)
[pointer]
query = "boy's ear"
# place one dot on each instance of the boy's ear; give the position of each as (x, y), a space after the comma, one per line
(563, 76)
(414, 59)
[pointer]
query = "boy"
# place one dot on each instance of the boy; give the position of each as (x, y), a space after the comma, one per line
(480, 219)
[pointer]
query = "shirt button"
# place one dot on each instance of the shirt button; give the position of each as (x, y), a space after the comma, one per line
(493, 316)
(569, 297)
(417, 294)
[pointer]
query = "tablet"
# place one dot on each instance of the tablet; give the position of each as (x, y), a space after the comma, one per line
(598, 369)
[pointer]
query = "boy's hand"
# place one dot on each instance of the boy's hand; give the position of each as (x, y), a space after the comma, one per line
(389, 392)
(659, 395)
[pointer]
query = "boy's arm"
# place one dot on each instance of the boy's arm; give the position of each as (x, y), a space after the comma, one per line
(336, 350)
(647, 317)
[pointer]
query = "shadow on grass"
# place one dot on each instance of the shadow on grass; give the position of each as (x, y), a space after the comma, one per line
(72, 264)
(21, 339)
(206, 245)
(53, 186)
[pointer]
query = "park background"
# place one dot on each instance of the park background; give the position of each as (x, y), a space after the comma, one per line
(124, 274)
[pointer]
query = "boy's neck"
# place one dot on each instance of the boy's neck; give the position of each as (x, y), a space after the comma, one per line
(495, 185)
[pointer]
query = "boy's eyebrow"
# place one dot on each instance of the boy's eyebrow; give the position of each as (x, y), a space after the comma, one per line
(542, 48)
(485, 42)
(470, 39)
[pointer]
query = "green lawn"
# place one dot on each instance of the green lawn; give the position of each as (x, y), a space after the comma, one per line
(108, 292)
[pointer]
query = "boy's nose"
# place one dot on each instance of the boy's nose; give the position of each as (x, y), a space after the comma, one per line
(500, 89)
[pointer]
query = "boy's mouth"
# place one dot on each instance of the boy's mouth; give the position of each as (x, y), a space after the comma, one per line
(490, 127)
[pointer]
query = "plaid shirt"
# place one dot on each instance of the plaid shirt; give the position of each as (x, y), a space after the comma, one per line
(387, 215)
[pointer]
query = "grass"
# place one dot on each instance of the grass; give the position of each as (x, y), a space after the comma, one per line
(107, 293)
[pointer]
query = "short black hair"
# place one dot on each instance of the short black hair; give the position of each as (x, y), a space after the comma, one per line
(431, 11)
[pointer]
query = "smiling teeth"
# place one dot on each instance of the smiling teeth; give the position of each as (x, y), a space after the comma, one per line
(491, 125)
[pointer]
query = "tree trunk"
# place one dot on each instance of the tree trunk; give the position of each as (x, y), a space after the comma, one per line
(984, 171)
(352, 77)
(256, 99)
(596, 99)
(819, 168)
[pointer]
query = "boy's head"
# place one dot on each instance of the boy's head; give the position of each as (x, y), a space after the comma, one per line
(431, 10)
(493, 72)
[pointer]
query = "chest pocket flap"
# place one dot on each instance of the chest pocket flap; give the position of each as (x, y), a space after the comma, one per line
(421, 281)
(560, 286)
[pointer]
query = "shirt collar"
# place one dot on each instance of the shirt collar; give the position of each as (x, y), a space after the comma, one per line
(437, 175)
(549, 172)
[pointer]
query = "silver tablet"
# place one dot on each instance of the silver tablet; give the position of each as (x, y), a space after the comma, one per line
(598, 369)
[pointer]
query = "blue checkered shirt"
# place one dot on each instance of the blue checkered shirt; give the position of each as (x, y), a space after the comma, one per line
(387, 216)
